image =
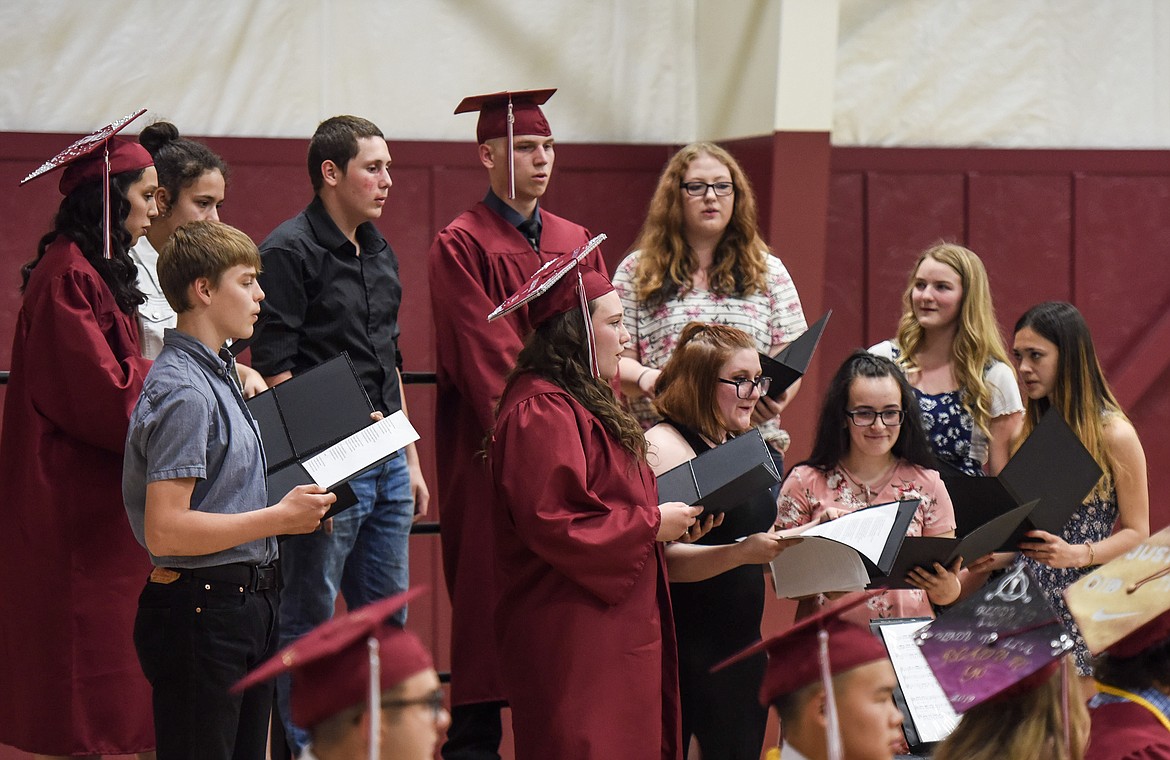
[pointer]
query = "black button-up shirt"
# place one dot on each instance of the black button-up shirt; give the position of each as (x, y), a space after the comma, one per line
(322, 298)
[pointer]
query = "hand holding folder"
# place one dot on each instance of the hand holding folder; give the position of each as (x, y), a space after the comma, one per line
(722, 478)
(317, 428)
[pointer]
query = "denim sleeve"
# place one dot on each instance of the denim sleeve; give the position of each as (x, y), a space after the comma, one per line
(175, 433)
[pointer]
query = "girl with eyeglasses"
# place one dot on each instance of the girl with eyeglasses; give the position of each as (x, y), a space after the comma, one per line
(700, 258)
(706, 393)
(870, 449)
(949, 346)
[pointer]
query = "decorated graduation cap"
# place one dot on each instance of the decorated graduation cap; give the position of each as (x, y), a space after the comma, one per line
(97, 156)
(1123, 607)
(507, 114)
(345, 661)
(556, 288)
(1004, 640)
(815, 649)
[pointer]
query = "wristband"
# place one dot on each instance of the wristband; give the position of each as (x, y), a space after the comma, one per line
(1092, 555)
(641, 375)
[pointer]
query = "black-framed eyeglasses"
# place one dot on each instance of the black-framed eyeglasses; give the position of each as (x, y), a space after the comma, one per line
(699, 189)
(869, 417)
(744, 386)
(433, 701)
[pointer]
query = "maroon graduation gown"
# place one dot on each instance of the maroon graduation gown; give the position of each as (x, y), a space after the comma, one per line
(475, 263)
(1126, 731)
(70, 682)
(584, 626)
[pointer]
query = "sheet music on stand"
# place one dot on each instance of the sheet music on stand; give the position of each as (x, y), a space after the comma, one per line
(926, 708)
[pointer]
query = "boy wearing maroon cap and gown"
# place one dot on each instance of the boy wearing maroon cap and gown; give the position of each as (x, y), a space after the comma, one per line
(69, 679)
(583, 624)
(852, 715)
(478, 260)
(365, 688)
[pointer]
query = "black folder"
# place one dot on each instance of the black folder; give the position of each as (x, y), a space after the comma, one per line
(305, 415)
(924, 551)
(792, 362)
(1052, 467)
(724, 477)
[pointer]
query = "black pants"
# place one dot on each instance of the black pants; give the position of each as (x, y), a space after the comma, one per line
(195, 639)
(475, 732)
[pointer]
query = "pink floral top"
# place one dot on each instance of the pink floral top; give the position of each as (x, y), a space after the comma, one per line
(773, 318)
(807, 492)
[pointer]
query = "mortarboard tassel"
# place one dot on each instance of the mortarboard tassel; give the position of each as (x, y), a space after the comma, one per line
(511, 153)
(107, 253)
(375, 740)
(590, 339)
(832, 724)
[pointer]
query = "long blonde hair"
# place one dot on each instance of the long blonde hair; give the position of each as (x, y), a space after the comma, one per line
(667, 263)
(977, 342)
(1028, 726)
(1080, 392)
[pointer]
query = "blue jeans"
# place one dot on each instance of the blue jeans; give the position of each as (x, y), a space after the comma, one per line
(365, 558)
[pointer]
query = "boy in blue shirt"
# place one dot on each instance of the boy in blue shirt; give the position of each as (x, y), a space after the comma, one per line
(195, 493)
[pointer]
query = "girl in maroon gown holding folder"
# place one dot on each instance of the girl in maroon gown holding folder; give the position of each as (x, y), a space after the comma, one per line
(583, 622)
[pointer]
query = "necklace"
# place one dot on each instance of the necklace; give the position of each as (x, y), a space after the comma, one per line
(873, 485)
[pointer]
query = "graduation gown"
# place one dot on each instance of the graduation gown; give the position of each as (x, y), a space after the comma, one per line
(70, 682)
(1126, 731)
(476, 262)
(584, 628)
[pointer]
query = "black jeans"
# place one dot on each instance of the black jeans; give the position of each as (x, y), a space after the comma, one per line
(195, 639)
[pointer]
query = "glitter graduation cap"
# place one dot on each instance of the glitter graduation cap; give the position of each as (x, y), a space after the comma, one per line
(507, 114)
(97, 155)
(1123, 607)
(549, 293)
(345, 661)
(1004, 639)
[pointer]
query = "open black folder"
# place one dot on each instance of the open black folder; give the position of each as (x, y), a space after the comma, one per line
(924, 551)
(845, 554)
(310, 415)
(724, 477)
(792, 362)
(1052, 467)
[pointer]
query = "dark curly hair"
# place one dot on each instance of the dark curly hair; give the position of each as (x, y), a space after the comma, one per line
(557, 351)
(79, 218)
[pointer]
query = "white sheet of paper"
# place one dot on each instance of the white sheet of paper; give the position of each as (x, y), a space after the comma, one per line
(817, 566)
(931, 711)
(362, 449)
(866, 530)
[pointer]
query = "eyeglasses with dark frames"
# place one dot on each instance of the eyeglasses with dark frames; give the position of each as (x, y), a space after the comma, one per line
(699, 189)
(869, 417)
(744, 385)
(434, 701)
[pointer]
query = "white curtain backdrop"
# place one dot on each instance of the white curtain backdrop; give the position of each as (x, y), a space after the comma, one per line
(996, 73)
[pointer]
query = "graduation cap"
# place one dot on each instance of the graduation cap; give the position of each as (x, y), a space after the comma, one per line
(346, 661)
(97, 156)
(549, 292)
(1004, 639)
(792, 362)
(507, 114)
(815, 649)
(1123, 607)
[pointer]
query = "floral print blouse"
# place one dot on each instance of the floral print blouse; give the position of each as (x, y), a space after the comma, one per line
(807, 492)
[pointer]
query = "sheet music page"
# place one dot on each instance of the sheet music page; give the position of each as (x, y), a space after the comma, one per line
(866, 530)
(930, 710)
(344, 459)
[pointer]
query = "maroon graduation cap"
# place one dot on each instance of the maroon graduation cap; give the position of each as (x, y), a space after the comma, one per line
(345, 661)
(507, 114)
(95, 156)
